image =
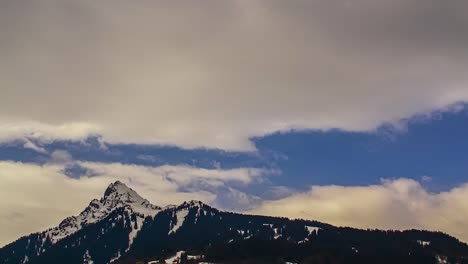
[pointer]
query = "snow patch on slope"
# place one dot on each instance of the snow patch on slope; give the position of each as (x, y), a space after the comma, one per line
(180, 219)
(87, 258)
(177, 258)
(424, 243)
(132, 235)
(311, 229)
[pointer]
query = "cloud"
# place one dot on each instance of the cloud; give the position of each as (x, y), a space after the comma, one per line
(234, 200)
(12, 129)
(426, 178)
(215, 73)
(394, 204)
(28, 144)
(60, 157)
(40, 196)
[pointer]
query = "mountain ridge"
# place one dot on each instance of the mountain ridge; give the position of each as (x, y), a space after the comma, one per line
(123, 226)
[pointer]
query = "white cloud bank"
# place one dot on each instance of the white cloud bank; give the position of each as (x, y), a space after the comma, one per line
(34, 197)
(395, 204)
(214, 73)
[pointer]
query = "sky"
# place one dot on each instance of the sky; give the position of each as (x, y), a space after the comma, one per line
(353, 113)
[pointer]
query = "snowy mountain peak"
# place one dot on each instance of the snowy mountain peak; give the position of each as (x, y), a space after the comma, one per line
(117, 195)
(118, 187)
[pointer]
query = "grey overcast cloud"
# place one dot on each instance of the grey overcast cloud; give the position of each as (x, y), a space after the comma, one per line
(215, 73)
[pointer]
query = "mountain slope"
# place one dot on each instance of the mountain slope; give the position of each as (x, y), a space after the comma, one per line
(224, 237)
(122, 227)
(118, 200)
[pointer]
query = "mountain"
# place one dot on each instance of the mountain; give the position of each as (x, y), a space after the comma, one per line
(122, 227)
(119, 203)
